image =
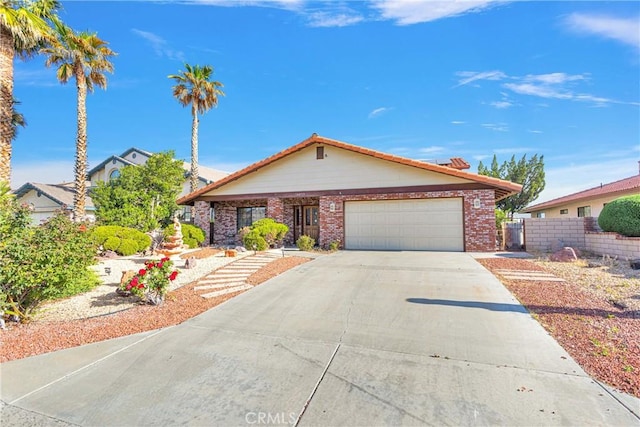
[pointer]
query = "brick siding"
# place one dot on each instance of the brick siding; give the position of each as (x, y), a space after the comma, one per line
(479, 223)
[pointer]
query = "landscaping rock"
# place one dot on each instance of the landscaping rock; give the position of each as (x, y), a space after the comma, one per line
(190, 263)
(566, 254)
(109, 255)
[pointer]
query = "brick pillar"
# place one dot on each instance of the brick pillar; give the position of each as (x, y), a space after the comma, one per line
(275, 209)
(202, 219)
(331, 221)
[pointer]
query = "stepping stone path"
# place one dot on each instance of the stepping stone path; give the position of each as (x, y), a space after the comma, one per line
(529, 275)
(232, 277)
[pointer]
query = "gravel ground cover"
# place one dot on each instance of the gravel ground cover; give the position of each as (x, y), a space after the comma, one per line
(124, 317)
(594, 314)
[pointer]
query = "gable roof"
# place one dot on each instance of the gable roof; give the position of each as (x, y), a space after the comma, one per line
(59, 193)
(205, 174)
(611, 189)
(502, 188)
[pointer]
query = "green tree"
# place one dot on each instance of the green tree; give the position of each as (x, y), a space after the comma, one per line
(530, 174)
(85, 58)
(23, 30)
(194, 87)
(143, 196)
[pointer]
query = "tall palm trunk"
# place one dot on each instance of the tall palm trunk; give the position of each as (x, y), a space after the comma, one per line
(194, 155)
(7, 52)
(194, 148)
(81, 147)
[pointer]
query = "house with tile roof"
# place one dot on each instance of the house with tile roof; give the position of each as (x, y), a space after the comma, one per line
(45, 199)
(333, 191)
(587, 203)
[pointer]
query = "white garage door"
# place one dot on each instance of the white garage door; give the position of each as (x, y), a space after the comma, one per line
(416, 224)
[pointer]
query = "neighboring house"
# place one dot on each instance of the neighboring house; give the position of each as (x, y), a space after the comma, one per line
(366, 199)
(45, 199)
(587, 203)
(60, 196)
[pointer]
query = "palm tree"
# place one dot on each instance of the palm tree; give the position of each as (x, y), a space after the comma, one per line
(17, 119)
(23, 30)
(194, 87)
(84, 57)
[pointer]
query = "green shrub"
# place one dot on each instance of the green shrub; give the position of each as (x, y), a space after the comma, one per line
(101, 233)
(42, 262)
(253, 240)
(142, 240)
(335, 245)
(305, 243)
(271, 231)
(127, 247)
(622, 216)
(106, 233)
(189, 231)
(112, 243)
(192, 243)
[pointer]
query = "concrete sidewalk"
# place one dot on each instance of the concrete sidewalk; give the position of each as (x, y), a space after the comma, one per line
(352, 338)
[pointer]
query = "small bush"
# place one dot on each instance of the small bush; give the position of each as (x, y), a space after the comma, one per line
(271, 231)
(334, 246)
(305, 243)
(112, 243)
(622, 216)
(127, 247)
(253, 240)
(189, 231)
(101, 233)
(192, 243)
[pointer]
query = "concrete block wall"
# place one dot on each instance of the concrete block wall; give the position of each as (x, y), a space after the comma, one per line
(542, 234)
(613, 244)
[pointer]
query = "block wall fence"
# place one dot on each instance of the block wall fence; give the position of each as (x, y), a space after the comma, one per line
(550, 234)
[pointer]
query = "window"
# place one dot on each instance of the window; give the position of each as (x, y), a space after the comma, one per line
(185, 214)
(247, 216)
(564, 211)
(584, 211)
(539, 214)
(114, 174)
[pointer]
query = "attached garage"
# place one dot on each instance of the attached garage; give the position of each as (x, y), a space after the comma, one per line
(410, 224)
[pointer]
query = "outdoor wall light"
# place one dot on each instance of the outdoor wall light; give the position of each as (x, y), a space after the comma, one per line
(332, 207)
(476, 203)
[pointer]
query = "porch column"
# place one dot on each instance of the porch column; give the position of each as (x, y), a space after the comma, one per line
(331, 221)
(275, 209)
(202, 219)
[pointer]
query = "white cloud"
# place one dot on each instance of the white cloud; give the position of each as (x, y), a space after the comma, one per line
(555, 78)
(159, 45)
(405, 12)
(472, 76)
(378, 112)
(43, 77)
(328, 19)
(534, 131)
(431, 150)
(624, 30)
(513, 150)
(457, 122)
(501, 104)
(543, 91)
(498, 127)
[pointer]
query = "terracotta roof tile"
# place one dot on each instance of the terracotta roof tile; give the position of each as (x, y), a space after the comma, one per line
(503, 188)
(612, 188)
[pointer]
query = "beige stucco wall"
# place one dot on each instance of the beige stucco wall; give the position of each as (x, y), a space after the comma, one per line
(596, 206)
(340, 168)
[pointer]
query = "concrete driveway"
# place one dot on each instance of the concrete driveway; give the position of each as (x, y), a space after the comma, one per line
(352, 338)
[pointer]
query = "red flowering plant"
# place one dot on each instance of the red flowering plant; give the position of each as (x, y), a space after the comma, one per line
(152, 281)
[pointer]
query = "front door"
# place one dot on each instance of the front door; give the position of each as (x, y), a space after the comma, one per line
(311, 222)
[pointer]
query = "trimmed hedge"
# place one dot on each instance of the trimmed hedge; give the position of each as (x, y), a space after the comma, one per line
(123, 240)
(271, 231)
(622, 216)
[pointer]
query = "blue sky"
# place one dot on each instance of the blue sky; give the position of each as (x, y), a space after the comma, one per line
(421, 79)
